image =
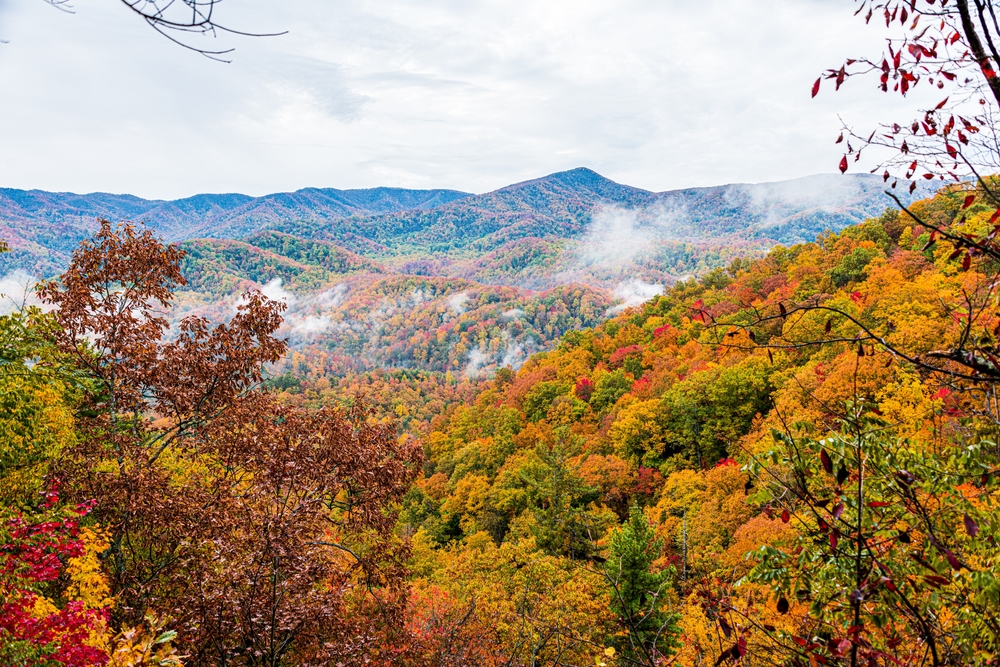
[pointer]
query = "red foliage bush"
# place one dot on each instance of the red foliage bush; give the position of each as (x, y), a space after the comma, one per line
(32, 552)
(584, 389)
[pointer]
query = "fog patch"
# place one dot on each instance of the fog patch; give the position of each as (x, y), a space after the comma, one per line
(313, 324)
(633, 293)
(774, 203)
(275, 292)
(311, 315)
(17, 292)
(476, 363)
(331, 297)
(457, 302)
(514, 356)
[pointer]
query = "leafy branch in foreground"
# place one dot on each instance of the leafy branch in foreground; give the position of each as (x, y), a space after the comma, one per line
(893, 542)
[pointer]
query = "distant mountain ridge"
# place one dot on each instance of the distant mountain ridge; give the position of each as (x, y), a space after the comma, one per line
(36, 221)
(380, 223)
(439, 279)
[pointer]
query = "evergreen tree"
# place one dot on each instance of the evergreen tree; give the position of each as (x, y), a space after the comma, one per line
(638, 593)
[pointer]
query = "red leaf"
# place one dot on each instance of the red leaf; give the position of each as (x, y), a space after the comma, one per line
(843, 164)
(877, 503)
(833, 539)
(785, 516)
(825, 460)
(941, 104)
(856, 297)
(829, 325)
(782, 606)
(971, 527)
(816, 87)
(968, 201)
(966, 262)
(724, 625)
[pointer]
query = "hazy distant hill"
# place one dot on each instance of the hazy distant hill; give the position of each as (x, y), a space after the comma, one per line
(44, 227)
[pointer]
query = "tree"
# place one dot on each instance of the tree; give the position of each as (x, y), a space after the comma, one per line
(32, 629)
(264, 531)
(894, 552)
(950, 44)
(638, 594)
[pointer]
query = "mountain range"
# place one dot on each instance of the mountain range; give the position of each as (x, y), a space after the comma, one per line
(43, 227)
(442, 279)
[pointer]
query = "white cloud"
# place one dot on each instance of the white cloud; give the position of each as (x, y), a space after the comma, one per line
(634, 293)
(274, 291)
(514, 356)
(617, 236)
(313, 324)
(614, 237)
(331, 297)
(477, 359)
(416, 93)
(773, 201)
(457, 301)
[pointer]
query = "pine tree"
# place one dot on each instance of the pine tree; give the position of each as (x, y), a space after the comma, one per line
(638, 593)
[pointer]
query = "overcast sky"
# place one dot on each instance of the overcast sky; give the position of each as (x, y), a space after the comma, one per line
(464, 94)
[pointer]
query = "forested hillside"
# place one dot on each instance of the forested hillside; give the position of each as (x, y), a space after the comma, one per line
(789, 458)
(43, 228)
(565, 423)
(698, 412)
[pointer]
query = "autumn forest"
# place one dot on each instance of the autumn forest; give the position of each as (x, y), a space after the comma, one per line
(425, 428)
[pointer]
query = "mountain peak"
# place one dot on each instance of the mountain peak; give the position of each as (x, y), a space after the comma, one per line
(580, 177)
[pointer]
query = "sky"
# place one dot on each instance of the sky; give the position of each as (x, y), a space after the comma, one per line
(464, 94)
